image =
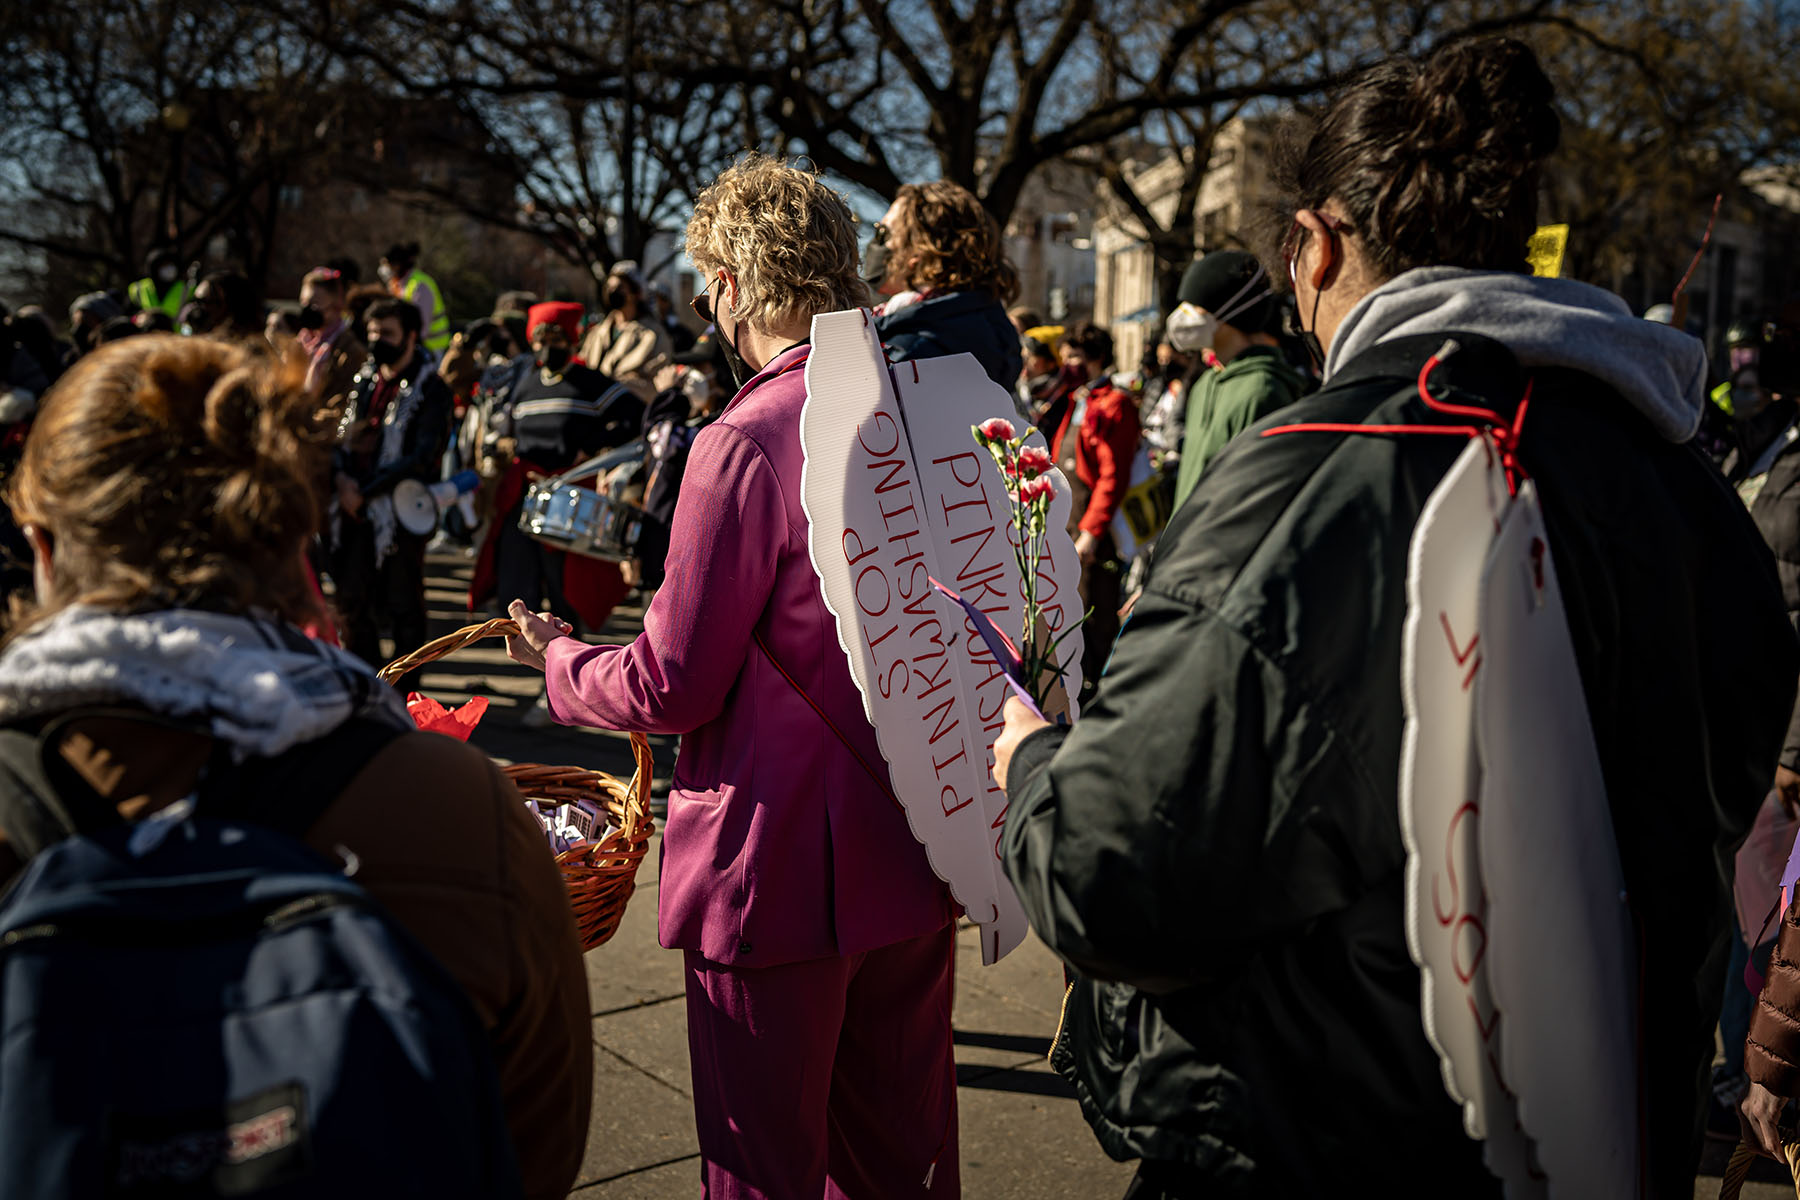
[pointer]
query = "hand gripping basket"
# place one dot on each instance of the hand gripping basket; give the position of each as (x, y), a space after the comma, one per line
(599, 875)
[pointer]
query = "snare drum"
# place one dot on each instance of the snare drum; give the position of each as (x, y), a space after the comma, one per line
(581, 520)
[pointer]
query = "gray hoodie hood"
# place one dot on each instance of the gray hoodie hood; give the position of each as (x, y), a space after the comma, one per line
(1545, 323)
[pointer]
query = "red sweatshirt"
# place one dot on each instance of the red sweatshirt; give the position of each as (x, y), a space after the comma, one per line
(1103, 451)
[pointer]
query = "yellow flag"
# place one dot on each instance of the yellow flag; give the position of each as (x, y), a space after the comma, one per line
(1545, 250)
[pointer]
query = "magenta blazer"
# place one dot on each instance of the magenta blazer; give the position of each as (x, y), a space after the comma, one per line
(778, 846)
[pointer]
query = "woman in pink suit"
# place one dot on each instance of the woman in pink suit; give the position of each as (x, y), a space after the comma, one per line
(819, 944)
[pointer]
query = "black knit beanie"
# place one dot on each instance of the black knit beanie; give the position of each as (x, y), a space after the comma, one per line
(1221, 280)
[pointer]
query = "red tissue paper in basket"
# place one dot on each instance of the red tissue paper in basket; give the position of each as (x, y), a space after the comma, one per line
(432, 717)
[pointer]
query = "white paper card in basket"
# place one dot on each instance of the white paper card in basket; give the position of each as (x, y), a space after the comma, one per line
(1514, 901)
(897, 492)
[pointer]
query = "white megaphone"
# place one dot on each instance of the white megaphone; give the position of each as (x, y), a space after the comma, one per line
(417, 505)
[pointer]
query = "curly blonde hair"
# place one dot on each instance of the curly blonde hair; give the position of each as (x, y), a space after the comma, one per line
(788, 240)
(945, 240)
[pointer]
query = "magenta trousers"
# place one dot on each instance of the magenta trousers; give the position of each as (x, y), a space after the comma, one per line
(829, 1078)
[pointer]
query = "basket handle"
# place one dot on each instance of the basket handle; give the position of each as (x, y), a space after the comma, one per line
(640, 782)
(1731, 1184)
(450, 643)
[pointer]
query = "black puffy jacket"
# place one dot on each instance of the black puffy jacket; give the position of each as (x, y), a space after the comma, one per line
(1215, 846)
(955, 323)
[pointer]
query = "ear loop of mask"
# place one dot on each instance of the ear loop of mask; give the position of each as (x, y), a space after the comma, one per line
(734, 361)
(1232, 307)
(1315, 350)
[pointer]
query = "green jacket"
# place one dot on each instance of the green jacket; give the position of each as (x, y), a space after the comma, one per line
(1224, 403)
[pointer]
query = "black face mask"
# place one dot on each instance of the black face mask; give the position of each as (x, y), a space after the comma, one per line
(385, 352)
(734, 361)
(312, 317)
(614, 299)
(740, 370)
(555, 358)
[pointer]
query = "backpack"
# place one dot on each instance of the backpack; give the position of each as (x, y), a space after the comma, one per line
(221, 1011)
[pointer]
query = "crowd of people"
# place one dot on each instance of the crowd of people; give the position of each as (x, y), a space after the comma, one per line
(210, 529)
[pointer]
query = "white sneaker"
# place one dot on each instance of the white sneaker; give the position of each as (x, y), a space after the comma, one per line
(538, 715)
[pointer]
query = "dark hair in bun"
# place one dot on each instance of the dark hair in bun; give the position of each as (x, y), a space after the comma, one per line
(1435, 160)
(176, 473)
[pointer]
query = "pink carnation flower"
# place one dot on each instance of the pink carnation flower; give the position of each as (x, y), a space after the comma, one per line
(1033, 490)
(1034, 461)
(999, 429)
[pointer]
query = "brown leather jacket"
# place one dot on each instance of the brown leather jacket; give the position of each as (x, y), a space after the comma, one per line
(445, 843)
(1772, 1053)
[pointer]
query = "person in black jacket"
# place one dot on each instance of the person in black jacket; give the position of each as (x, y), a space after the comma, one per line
(395, 422)
(563, 412)
(947, 280)
(1215, 846)
(1764, 464)
(691, 395)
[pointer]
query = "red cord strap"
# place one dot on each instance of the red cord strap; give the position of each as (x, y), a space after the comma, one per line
(880, 780)
(1492, 425)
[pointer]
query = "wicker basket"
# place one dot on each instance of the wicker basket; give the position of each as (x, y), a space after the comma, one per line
(1731, 1184)
(602, 874)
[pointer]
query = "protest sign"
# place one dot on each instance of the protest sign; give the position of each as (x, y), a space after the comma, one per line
(1515, 907)
(897, 494)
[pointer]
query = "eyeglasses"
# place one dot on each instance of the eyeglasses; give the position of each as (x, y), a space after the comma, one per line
(1296, 237)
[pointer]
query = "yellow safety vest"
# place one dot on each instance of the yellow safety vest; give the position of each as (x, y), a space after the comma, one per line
(437, 336)
(143, 294)
(1721, 396)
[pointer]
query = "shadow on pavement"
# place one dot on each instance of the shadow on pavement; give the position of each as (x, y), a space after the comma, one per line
(1014, 1043)
(1009, 1079)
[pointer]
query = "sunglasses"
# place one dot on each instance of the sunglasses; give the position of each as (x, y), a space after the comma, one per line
(702, 304)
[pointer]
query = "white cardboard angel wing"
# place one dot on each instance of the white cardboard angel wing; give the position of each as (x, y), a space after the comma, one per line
(897, 493)
(1514, 908)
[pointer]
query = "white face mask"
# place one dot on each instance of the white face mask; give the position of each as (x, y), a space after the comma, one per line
(1191, 329)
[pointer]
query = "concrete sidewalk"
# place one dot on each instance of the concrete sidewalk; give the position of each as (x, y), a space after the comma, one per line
(1022, 1135)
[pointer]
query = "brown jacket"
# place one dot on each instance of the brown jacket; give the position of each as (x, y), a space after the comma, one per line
(631, 352)
(1772, 1053)
(446, 845)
